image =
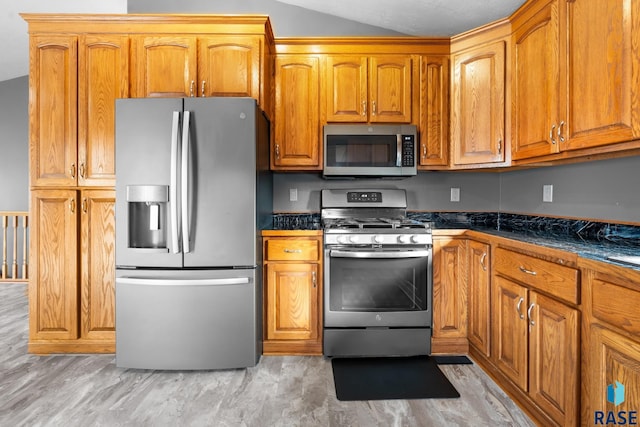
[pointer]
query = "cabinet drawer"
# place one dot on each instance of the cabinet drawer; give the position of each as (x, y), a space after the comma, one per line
(555, 279)
(292, 250)
(616, 305)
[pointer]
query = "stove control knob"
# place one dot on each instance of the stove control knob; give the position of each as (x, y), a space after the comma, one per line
(343, 239)
(353, 239)
(415, 239)
(403, 238)
(378, 239)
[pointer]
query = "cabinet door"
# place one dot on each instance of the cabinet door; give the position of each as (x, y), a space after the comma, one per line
(553, 357)
(390, 84)
(292, 300)
(449, 293)
(97, 264)
(346, 89)
(536, 84)
(478, 105)
(229, 66)
(603, 71)
(614, 360)
(509, 334)
(53, 292)
(165, 66)
(297, 124)
(434, 111)
(53, 110)
(103, 76)
(479, 295)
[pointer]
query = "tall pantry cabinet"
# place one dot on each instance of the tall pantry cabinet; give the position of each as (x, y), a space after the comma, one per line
(79, 65)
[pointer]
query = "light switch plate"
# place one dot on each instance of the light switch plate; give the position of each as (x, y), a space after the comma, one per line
(293, 194)
(547, 193)
(455, 194)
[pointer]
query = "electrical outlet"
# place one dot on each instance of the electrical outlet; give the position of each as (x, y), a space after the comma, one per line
(547, 193)
(293, 194)
(455, 194)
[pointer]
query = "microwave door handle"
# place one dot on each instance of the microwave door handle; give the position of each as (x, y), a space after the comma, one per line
(389, 254)
(173, 186)
(399, 150)
(185, 182)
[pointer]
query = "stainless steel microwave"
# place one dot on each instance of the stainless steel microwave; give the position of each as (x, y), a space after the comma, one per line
(362, 150)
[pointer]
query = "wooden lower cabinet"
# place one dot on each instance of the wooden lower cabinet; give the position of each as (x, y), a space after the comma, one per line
(479, 284)
(611, 343)
(449, 329)
(72, 293)
(292, 292)
(536, 336)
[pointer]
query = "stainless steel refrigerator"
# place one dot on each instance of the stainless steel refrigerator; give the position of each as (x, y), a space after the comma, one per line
(193, 189)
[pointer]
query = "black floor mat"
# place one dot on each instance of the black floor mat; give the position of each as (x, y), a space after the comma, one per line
(381, 378)
(452, 360)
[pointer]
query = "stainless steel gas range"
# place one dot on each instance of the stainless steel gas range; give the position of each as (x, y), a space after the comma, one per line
(378, 275)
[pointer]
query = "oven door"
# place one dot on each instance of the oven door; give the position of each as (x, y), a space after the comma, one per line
(377, 287)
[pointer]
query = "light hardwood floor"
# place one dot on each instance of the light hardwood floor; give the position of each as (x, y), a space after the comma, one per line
(88, 390)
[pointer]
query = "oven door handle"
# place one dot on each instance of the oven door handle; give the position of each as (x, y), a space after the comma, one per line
(379, 254)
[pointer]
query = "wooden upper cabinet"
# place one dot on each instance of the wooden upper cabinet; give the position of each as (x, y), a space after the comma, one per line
(229, 66)
(53, 110)
(165, 66)
(434, 111)
(478, 105)
(390, 85)
(296, 143)
(368, 89)
(603, 71)
(576, 73)
(345, 83)
(103, 76)
(536, 83)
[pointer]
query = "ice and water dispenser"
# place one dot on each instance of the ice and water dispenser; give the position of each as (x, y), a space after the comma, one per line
(148, 226)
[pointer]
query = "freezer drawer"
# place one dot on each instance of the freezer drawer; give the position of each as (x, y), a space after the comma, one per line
(187, 320)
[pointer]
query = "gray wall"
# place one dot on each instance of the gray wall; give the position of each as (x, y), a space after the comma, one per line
(286, 20)
(428, 191)
(14, 143)
(605, 189)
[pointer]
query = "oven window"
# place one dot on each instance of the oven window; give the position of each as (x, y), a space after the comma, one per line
(361, 150)
(358, 284)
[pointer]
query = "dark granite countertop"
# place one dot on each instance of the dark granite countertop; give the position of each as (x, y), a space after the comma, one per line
(588, 239)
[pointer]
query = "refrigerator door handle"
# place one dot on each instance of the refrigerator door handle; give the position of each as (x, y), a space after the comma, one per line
(173, 187)
(185, 182)
(182, 282)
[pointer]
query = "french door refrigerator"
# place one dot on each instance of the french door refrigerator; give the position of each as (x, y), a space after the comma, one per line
(193, 189)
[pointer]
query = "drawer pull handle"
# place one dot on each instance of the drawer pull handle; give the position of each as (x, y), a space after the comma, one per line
(482, 264)
(292, 251)
(314, 278)
(518, 308)
(531, 322)
(524, 270)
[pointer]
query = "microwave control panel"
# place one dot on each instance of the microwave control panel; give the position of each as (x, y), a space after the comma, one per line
(408, 150)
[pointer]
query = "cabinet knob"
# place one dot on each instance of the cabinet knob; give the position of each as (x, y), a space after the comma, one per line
(314, 279)
(84, 205)
(553, 140)
(364, 108)
(192, 88)
(202, 93)
(82, 170)
(277, 151)
(373, 108)
(482, 259)
(72, 205)
(72, 170)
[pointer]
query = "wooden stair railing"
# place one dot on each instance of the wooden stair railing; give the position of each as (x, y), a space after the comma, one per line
(11, 234)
